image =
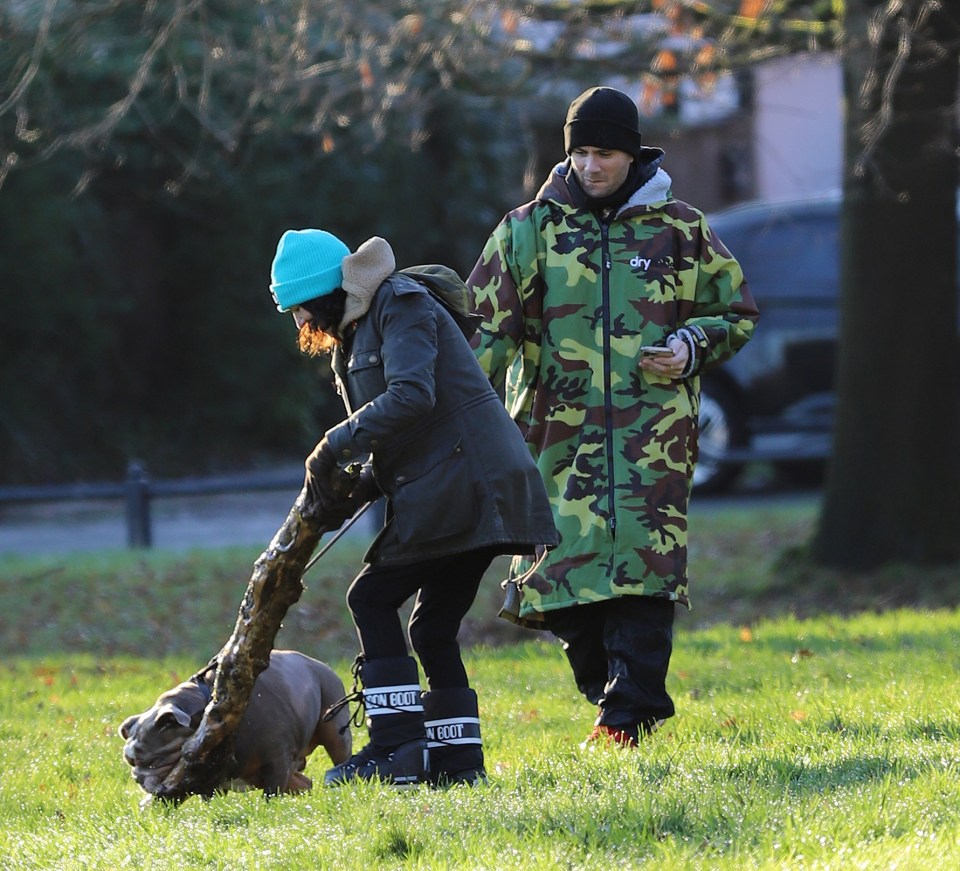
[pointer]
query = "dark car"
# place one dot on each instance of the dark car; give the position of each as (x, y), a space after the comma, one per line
(775, 399)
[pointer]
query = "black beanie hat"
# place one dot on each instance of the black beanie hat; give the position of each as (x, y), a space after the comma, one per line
(603, 118)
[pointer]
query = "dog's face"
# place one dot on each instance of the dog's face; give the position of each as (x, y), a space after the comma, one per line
(155, 737)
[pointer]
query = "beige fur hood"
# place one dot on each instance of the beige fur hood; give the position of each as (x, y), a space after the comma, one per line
(363, 272)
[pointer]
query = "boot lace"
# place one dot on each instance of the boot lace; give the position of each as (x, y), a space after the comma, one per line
(355, 696)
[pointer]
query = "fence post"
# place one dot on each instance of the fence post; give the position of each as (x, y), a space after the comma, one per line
(138, 505)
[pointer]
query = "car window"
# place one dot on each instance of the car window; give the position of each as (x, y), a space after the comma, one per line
(787, 256)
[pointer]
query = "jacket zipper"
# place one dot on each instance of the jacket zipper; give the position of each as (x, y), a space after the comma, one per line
(607, 400)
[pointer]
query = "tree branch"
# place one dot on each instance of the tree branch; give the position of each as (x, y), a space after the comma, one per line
(275, 585)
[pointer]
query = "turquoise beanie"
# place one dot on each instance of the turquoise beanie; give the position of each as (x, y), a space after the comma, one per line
(308, 264)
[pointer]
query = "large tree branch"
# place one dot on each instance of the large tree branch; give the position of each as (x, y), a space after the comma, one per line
(275, 585)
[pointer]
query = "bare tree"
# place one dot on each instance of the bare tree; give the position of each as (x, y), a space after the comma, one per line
(893, 492)
(197, 80)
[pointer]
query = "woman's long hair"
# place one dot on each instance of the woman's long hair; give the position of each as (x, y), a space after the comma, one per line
(322, 334)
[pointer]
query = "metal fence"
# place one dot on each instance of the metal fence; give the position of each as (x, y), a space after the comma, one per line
(138, 489)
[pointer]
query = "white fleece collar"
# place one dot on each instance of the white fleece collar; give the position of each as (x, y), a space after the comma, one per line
(654, 191)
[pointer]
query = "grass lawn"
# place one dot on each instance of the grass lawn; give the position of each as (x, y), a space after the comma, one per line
(818, 725)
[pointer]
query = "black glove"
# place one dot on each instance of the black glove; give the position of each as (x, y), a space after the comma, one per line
(322, 470)
(352, 489)
(365, 489)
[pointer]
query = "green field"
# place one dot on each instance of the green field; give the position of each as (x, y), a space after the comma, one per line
(828, 740)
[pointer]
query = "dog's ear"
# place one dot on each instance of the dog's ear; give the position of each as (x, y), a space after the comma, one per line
(171, 715)
(126, 727)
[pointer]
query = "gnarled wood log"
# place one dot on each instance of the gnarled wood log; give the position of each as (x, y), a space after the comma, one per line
(276, 584)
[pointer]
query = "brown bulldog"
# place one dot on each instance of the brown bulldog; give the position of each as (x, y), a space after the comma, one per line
(281, 727)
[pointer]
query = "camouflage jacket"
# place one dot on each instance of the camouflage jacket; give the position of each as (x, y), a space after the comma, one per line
(567, 299)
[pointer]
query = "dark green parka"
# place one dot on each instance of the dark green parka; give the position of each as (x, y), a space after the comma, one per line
(452, 464)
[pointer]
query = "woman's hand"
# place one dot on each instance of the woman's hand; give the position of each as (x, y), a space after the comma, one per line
(321, 469)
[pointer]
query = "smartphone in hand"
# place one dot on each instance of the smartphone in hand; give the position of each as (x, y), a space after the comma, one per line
(656, 351)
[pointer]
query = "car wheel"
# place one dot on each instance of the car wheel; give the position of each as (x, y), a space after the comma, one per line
(721, 430)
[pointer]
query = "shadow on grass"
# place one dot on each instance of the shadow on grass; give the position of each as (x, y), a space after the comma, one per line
(187, 604)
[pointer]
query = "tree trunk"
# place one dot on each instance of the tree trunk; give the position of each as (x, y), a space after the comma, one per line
(275, 585)
(893, 489)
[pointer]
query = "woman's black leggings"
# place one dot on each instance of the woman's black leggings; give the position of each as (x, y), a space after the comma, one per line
(445, 590)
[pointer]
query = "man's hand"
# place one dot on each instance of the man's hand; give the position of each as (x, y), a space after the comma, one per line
(671, 366)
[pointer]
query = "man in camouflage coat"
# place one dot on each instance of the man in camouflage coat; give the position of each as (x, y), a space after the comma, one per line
(603, 262)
